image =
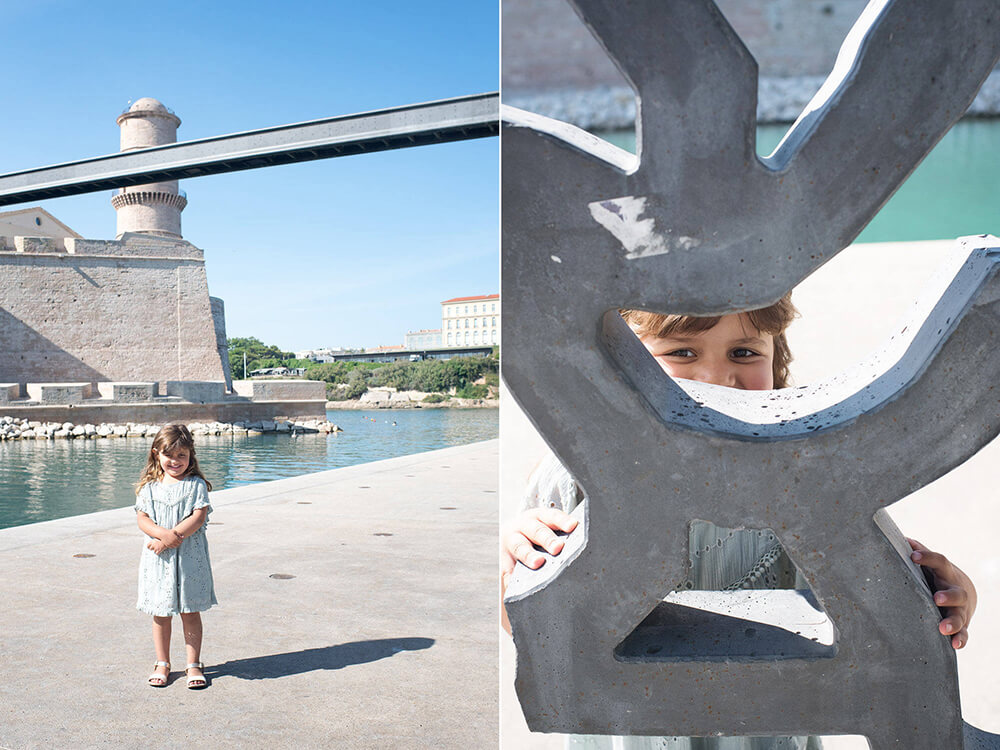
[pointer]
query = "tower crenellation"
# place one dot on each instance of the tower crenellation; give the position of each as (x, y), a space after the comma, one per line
(154, 208)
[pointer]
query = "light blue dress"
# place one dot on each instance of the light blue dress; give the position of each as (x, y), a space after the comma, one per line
(722, 559)
(180, 579)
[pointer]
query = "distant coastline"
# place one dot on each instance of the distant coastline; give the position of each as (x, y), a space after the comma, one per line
(452, 403)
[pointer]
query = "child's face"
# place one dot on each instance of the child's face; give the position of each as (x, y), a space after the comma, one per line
(175, 464)
(731, 353)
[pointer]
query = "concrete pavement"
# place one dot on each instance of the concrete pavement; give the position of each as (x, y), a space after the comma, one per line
(384, 637)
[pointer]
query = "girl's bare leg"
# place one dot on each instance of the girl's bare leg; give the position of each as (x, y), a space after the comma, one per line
(161, 642)
(192, 640)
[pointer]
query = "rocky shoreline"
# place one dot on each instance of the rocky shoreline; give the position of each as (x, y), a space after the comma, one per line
(12, 428)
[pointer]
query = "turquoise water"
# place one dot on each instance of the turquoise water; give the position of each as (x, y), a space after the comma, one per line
(45, 479)
(955, 191)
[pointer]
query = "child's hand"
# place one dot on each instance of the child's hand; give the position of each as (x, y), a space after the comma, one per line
(171, 538)
(157, 546)
(518, 539)
(532, 527)
(953, 592)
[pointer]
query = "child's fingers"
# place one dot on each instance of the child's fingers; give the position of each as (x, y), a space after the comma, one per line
(915, 545)
(951, 597)
(538, 533)
(953, 624)
(522, 549)
(557, 519)
(933, 560)
(960, 639)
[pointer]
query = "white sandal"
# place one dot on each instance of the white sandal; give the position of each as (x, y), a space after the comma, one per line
(197, 682)
(159, 680)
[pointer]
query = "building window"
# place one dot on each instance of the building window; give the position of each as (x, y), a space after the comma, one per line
(466, 337)
(466, 324)
(466, 309)
(473, 309)
(484, 323)
(475, 337)
(449, 339)
(494, 322)
(493, 336)
(493, 307)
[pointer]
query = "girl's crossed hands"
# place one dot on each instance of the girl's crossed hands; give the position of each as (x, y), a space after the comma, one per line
(169, 539)
(157, 546)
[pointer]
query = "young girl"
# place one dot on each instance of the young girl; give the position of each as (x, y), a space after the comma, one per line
(175, 575)
(747, 351)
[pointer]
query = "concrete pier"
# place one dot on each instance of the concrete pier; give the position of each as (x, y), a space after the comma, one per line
(384, 637)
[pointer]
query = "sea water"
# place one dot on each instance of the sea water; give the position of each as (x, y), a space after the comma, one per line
(41, 480)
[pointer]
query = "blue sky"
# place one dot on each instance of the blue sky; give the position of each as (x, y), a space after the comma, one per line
(351, 251)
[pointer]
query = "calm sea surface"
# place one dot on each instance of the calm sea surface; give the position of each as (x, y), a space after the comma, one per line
(45, 479)
(954, 192)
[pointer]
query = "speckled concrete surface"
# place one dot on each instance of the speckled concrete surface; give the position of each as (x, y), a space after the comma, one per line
(957, 515)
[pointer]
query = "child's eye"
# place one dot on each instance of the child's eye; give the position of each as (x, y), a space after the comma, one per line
(685, 353)
(742, 353)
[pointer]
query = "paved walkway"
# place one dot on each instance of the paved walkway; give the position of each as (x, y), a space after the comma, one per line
(385, 637)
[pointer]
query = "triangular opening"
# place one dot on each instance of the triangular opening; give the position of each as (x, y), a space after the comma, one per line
(744, 600)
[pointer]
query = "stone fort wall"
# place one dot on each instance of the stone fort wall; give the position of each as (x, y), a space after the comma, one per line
(135, 309)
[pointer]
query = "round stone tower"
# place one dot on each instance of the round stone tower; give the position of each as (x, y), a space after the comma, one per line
(156, 208)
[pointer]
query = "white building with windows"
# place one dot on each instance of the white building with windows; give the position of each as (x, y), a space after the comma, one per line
(470, 321)
(425, 338)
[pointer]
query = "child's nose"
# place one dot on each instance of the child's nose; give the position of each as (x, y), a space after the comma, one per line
(717, 373)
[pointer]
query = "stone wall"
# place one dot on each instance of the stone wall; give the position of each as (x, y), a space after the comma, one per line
(221, 342)
(281, 390)
(131, 310)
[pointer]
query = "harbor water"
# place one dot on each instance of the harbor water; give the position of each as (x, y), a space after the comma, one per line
(41, 480)
(952, 193)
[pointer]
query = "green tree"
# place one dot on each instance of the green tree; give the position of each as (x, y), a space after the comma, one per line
(257, 354)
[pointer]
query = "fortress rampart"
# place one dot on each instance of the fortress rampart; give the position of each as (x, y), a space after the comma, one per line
(123, 330)
(135, 309)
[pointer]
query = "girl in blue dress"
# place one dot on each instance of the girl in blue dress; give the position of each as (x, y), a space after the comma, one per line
(175, 574)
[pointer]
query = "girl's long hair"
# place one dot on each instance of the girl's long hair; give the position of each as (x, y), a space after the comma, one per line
(170, 438)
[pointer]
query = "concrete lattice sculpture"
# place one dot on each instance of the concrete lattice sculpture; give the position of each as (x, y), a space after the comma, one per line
(696, 223)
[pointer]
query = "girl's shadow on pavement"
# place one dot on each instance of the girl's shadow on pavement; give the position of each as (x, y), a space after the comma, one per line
(328, 657)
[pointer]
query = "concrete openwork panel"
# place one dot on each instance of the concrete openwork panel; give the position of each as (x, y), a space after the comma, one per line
(696, 223)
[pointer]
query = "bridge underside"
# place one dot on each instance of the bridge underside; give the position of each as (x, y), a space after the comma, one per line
(444, 121)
